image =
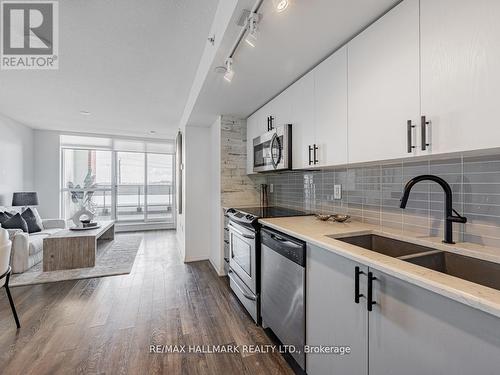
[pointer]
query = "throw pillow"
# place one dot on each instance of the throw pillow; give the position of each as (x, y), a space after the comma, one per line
(32, 221)
(38, 217)
(4, 216)
(15, 222)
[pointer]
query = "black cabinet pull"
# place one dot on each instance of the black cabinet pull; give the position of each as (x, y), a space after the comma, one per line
(369, 301)
(357, 295)
(315, 156)
(423, 125)
(270, 123)
(409, 130)
(310, 150)
(226, 241)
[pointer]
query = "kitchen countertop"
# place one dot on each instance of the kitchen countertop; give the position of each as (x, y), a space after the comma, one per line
(315, 232)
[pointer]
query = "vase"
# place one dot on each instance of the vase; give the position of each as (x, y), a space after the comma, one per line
(83, 211)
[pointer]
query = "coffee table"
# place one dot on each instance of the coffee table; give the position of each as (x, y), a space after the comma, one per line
(70, 249)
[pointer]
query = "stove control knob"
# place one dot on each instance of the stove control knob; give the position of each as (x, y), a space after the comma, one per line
(249, 217)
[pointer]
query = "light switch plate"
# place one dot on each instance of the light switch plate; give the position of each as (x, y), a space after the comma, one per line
(337, 191)
(271, 188)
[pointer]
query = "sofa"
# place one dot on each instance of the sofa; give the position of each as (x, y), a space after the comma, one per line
(27, 249)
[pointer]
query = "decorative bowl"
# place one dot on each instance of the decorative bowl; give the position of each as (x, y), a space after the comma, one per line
(323, 217)
(340, 218)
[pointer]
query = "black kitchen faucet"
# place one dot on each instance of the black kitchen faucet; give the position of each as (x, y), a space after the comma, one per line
(449, 212)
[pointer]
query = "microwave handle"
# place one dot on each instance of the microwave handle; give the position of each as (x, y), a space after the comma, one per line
(274, 161)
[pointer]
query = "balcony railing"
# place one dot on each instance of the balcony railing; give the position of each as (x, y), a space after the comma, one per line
(130, 201)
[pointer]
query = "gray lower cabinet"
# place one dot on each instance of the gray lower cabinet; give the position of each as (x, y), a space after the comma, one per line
(409, 331)
(413, 331)
(332, 316)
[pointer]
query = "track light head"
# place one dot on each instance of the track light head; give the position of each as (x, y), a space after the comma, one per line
(228, 76)
(252, 23)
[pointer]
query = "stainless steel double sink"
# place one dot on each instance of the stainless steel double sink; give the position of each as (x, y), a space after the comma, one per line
(468, 268)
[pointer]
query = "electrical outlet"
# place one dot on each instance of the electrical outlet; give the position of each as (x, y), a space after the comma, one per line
(271, 188)
(337, 191)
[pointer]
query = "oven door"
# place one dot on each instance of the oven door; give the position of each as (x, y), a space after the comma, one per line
(242, 254)
(271, 151)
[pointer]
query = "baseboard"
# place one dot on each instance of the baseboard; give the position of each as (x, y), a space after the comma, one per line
(195, 259)
(138, 227)
(218, 271)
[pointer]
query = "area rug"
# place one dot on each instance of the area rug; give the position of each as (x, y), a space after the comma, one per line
(113, 258)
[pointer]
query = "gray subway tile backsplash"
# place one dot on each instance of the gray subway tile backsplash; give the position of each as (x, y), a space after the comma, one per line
(371, 194)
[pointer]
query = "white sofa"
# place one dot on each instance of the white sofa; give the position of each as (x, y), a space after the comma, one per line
(27, 249)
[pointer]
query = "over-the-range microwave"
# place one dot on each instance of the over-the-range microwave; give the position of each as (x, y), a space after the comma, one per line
(272, 151)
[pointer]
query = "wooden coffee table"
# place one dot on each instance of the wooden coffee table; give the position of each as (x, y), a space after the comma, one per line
(70, 249)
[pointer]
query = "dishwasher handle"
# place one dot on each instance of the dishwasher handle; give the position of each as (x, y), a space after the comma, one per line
(289, 247)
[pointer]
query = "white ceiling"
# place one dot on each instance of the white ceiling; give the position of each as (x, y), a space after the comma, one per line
(289, 44)
(130, 63)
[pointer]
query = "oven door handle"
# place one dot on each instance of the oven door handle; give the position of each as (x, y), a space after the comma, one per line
(246, 295)
(249, 236)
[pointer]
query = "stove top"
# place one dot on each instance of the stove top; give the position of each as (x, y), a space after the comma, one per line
(268, 212)
(249, 216)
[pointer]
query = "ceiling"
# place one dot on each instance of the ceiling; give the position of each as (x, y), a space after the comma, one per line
(289, 44)
(129, 63)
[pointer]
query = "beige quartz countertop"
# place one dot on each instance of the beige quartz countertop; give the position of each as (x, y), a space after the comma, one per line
(313, 231)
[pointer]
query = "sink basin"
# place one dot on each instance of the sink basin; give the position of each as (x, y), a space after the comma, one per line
(471, 269)
(385, 245)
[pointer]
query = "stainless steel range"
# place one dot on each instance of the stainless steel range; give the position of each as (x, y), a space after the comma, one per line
(244, 252)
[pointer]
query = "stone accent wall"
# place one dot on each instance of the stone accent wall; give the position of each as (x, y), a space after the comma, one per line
(237, 189)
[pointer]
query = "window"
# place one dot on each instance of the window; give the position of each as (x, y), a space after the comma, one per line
(129, 181)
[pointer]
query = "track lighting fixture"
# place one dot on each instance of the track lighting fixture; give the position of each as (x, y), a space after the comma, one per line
(249, 21)
(251, 37)
(228, 76)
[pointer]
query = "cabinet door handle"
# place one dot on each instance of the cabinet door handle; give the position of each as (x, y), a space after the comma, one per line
(315, 156)
(409, 140)
(357, 295)
(310, 150)
(369, 301)
(424, 123)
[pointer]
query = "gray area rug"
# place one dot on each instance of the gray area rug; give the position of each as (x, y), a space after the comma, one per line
(113, 258)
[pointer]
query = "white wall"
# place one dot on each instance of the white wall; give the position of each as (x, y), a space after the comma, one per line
(216, 218)
(16, 159)
(47, 163)
(196, 221)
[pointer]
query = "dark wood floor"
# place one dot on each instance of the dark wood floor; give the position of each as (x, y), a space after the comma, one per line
(106, 326)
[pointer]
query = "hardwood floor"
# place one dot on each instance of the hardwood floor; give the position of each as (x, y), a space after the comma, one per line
(106, 326)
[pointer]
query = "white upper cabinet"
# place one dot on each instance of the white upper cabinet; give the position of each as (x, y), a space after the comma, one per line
(460, 60)
(281, 109)
(383, 81)
(302, 115)
(330, 109)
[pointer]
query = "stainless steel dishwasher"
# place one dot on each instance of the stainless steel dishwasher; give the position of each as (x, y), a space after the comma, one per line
(283, 283)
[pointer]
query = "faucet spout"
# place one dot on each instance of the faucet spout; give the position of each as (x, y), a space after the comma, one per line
(450, 215)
